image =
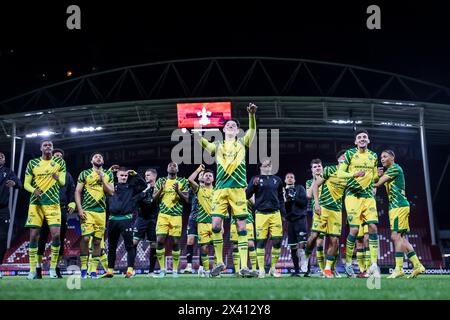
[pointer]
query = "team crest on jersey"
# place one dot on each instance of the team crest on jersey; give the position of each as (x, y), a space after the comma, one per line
(350, 218)
(274, 181)
(52, 163)
(371, 158)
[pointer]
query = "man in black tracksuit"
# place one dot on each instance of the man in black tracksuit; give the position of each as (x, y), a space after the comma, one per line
(145, 224)
(8, 179)
(67, 203)
(296, 204)
(269, 208)
(121, 207)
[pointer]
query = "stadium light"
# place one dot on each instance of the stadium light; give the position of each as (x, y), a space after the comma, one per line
(33, 114)
(346, 121)
(395, 124)
(43, 133)
(86, 129)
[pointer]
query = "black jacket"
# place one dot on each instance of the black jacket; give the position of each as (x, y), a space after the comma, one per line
(268, 194)
(124, 200)
(5, 175)
(296, 202)
(148, 208)
(67, 192)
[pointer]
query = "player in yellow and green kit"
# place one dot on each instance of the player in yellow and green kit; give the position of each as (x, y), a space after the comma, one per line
(204, 195)
(170, 191)
(394, 179)
(329, 208)
(360, 166)
(43, 178)
(231, 180)
(316, 238)
(90, 196)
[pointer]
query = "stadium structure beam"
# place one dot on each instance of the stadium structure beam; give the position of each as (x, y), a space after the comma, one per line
(444, 171)
(426, 172)
(16, 193)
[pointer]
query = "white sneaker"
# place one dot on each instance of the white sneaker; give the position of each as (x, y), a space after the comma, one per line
(188, 268)
(31, 275)
(200, 271)
(262, 274)
(161, 274)
(151, 275)
(374, 270)
(337, 274)
(274, 273)
(52, 274)
(349, 270)
(303, 260)
(174, 274)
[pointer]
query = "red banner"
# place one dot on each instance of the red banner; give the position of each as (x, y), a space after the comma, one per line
(203, 114)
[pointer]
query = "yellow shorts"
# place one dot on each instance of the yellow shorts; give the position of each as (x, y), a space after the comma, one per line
(94, 225)
(399, 219)
(234, 234)
(233, 197)
(204, 231)
(169, 225)
(363, 229)
(269, 222)
(360, 210)
(38, 213)
(330, 222)
(316, 223)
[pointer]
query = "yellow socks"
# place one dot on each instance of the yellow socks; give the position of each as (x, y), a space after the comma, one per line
(413, 258)
(320, 258)
(260, 255)
(349, 247)
(104, 261)
(399, 260)
(83, 262)
(160, 257)
(218, 246)
(360, 257)
(204, 260)
(252, 254)
(55, 254)
(373, 247)
(175, 259)
(32, 253)
(330, 262)
(275, 255)
(236, 259)
(243, 247)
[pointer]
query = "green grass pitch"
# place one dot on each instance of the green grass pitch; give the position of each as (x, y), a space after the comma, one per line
(226, 288)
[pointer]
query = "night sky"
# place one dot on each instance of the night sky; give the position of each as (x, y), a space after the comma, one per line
(414, 39)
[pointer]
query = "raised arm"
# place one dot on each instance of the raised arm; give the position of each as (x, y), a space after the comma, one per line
(210, 147)
(251, 132)
(193, 176)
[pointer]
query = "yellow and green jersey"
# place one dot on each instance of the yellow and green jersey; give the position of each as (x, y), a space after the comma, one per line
(396, 187)
(39, 174)
(170, 202)
(94, 197)
(333, 189)
(309, 184)
(230, 158)
(250, 215)
(204, 201)
(355, 161)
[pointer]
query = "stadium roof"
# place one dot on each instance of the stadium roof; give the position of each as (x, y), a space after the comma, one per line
(136, 105)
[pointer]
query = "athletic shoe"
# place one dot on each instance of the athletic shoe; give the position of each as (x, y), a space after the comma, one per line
(328, 273)
(129, 275)
(106, 275)
(349, 270)
(397, 274)
(52, 274)
(262, 274)
(244, 273)
(175, 274)
(274, 273)
(202, 273)
(217, 269)
(416, 271)
(188, 269)
(362, 274)
(296, 274)
(93, 275)
(83, 274)
(161, 274)
(58, 272)
(38, 273)
(374, 270)
(31, 275)
(151, 274)
(254, 274)
(337, 274)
